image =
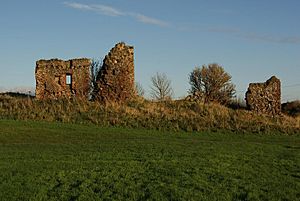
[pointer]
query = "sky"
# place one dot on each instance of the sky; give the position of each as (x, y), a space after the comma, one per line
(252, 40)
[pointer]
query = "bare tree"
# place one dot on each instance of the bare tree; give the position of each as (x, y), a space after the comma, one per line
(96, 65)
(161, 87)
(139, 89)
(212, 83)
(196, 82)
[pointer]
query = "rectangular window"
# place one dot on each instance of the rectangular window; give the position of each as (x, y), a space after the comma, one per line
(68, 79)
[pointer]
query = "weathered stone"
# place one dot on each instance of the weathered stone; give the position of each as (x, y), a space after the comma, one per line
(115, 81)
(116, 78)
(62, 79)
(265, 98)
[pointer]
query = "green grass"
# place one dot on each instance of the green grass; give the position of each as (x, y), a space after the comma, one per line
(55, 161)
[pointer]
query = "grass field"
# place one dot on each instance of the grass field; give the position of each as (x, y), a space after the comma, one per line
(55, 161)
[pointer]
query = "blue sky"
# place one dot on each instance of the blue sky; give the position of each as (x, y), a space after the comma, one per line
(252, 40)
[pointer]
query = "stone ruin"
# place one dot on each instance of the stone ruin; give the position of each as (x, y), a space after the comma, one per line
(265, 98)
(67, 79)
(62, 79)
(115, 81)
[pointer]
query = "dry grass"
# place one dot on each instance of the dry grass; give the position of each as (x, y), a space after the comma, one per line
(170, 115)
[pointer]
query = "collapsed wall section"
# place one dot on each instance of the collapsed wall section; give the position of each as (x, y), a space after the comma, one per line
(115, 81)
(265, 98)
(62, 79)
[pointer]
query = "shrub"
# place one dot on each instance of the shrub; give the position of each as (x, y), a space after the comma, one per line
(291, 108)
(212, 83)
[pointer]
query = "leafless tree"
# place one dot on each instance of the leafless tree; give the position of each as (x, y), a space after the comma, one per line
(212, 83)
(161, 89)
(96, 65)
(139, 89)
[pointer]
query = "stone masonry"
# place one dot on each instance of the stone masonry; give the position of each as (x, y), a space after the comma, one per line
(62, 79)
(115, 81)
(265, 98)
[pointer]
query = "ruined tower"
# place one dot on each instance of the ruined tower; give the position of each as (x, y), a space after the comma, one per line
(115, 81)
(62, 79)
(265, 98)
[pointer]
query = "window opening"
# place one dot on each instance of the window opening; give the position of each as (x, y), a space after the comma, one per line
(69, 79)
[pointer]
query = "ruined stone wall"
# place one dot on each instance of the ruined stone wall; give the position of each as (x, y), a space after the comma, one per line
(51, 78)
(116, 78)
(265, 98)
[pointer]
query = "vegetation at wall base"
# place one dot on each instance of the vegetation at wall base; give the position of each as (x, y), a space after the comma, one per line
(167, 115)
(58, 161)
(292, 108)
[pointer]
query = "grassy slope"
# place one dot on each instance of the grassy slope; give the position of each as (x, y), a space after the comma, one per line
(139, 113)
(52, 161)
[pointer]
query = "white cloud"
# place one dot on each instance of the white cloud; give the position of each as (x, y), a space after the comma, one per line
(102, 9)
(78, 6)
(113, 12)
(107, 10)
(150, 20)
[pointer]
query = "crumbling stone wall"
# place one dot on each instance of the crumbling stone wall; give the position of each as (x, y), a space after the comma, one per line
(62, 79)
(265, 98)
(115, 81)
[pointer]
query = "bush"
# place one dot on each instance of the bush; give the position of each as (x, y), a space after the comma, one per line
(212, 83)
(291, 108)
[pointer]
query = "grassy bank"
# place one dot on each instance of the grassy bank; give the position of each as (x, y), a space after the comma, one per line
(172, 115)
(56, 161)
